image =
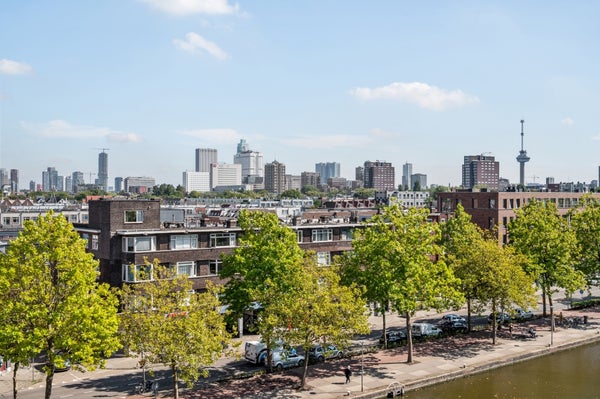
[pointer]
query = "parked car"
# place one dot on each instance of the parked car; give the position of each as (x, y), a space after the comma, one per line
(63, 363)
(453, 327)
(283, 359)
(319, 353)
(394, 338)
(501, 318)
(521, 314)
(452, 317)
(256, 351)
(425, 330)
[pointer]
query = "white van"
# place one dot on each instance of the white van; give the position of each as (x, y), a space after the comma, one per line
(256, 351)
(425, 330)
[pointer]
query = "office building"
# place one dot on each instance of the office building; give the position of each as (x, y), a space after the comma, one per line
(139, 185)
(102, 180)
(327, 170)
(480, 171)
(379, 175)
(205, 157)
(293, 182)
(310, 179)
(4, 181)
(225, 174)
(418, 182)
(77, 182)
(50, 179)
(407, 176)
(251, 162)
(275, 177)
(14, 180)
(196, 181)
(118, 184)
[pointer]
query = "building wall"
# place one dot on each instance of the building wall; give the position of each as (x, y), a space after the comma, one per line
(196, 181)
(204, 158)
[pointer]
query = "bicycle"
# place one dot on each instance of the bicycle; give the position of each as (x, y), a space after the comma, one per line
(148, 386)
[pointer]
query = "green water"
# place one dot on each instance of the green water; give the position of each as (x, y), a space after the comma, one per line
(574, 373)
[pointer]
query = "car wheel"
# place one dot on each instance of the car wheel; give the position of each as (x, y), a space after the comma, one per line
(340, 355)
(300, 363)
(279, 367)
(321, 359)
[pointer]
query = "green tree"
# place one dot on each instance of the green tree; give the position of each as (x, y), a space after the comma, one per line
(263, 269)
(65, 314)
(166, 322)
(585, 222)
(460, 238)
(498, 274)
(541, 234)
(320, 310)
(294, 194)
(397, 259)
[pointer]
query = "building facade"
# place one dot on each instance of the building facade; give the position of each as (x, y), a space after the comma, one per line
(102, 180)
(327, 170)
(480, 171)
(407, 176)
(196, 181)
(251, 161)
(275, 177)
(379, 175)
(139, 185)
(225, 174)
(205, 157)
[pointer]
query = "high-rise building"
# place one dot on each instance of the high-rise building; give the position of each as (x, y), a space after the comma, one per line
(293, 182)
(309, 179)
(205, 157)
(77, 181)
(359, 173)
(275, 177)
(406, 176)
(419, 179)
(14, 180)
(225, 174)
(102, 180)
(379, 175)
(251, 161)
(327, 170)
(118, 184)
(196, 181)
(481, 171)
(50, 179)
(4, 180)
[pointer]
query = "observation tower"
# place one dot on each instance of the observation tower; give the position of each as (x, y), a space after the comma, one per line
(522, 158)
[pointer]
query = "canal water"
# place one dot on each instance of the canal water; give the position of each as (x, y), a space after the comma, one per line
(574, 373)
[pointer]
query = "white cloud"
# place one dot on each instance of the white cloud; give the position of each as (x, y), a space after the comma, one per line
(567, 121)
(422, 94)
(596, 137)
(220, 136)
(10, 67)
(63, 129)
(189, 7)
(195, 43)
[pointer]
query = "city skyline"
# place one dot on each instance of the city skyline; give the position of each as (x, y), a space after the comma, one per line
(303, 83)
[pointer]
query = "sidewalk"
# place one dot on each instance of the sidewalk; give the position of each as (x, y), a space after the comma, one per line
(385, 371)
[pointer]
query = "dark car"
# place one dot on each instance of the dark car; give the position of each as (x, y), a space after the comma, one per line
(319, 353)
(394, 338)
(501, 318)
(453, 327)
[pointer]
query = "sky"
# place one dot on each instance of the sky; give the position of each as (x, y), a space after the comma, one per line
(303, 82)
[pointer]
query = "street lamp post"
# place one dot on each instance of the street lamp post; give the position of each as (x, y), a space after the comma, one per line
(551, 325)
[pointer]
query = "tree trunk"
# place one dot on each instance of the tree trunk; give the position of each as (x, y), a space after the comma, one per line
(469, 314)
(175, 384)
(49, 379)
(383, 321)
(409, 340)
(543, 301)
(14, 379)
(304, 371)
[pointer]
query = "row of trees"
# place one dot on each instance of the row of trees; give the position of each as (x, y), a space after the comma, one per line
(53, 305)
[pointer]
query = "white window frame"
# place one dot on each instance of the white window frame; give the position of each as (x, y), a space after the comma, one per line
(135, 244)
(299, 235)
(130, 276)
(184, 241)
(94, 241)
(189, 265)
(324, 258)
(216, 264)
(322, 235)
(138, 215)
(218, 240)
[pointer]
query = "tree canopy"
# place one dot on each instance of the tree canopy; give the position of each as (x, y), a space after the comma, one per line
(49, 278)
(585, 222)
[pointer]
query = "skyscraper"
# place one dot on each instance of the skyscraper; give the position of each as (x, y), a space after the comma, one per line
(251, 161)
(275, 177)
(379, 175)
(406, 176)
(204, 158)
(102, 180)
(77, 181)
(327, 170)
(480, 171)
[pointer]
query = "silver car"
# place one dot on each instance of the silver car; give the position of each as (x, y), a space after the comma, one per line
(286, 359)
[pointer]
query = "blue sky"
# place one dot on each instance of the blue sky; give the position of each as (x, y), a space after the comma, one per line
(303, 82)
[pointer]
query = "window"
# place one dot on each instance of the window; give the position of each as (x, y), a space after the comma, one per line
(139, 244)
(86, 237)
(222, 240)
(134, 216)
(346, 235)
(214, 267)
(136, 273)
(187, 268)
(299, 235)
(319, 235)
(187, 241)
(94, 241)
(323, 258)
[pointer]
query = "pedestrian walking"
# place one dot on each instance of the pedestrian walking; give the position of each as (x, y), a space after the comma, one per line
(348, 373)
